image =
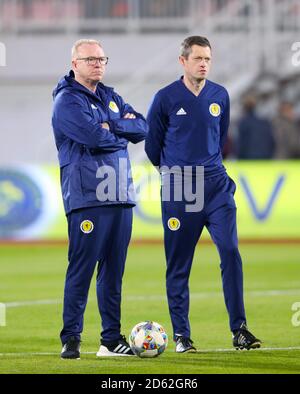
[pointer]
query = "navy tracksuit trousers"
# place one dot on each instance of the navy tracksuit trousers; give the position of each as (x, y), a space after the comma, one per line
(219, 216)
(97, 234)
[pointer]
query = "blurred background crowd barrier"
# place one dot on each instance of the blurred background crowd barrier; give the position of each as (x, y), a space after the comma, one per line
(256, 56)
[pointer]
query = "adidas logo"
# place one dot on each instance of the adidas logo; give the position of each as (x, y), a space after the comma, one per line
(121, 349)
(181, 112)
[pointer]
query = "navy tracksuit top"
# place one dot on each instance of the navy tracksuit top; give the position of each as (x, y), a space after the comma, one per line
(84, 145)
(188, 130)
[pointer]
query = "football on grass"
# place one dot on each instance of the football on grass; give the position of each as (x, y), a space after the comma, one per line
(148, 339)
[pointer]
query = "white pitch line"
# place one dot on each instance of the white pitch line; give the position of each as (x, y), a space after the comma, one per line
(38, 354)
(202, 351)
(157, 297)
(256, 350)
(17, 304)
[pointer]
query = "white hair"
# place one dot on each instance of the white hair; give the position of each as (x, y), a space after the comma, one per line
(82, 42)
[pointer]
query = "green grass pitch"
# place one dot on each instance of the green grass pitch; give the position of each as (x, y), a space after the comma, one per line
(32, 280)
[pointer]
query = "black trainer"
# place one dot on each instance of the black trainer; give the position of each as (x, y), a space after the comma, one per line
(184, 345)
(243, 339)
(116, 348)
(71, 349)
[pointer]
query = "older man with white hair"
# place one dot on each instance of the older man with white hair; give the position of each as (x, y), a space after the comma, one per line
(92, 127)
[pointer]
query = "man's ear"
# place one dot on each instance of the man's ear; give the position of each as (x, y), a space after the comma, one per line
(181, 60)
(74, 65)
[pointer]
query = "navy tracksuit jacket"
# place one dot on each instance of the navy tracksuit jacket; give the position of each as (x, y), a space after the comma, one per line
(189, 130)
(99, 228)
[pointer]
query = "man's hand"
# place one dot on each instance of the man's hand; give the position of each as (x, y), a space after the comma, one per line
(129, 116)
(105, 125)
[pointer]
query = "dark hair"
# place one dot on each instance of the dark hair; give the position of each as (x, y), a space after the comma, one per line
(186, 46)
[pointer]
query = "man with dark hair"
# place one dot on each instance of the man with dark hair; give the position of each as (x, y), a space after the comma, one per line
(188, 123)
